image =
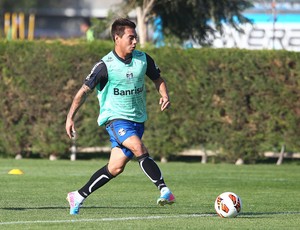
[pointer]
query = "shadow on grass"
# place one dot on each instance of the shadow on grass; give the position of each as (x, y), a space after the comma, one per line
(85, 207)
(244, 215)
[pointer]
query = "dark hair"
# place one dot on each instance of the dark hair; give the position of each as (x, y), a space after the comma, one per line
(87, 21)
(119, 26)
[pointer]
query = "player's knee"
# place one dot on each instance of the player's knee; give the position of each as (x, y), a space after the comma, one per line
(115, 170)
(136, 150)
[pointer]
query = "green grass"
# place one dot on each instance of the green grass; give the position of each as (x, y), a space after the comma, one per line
(36, 200)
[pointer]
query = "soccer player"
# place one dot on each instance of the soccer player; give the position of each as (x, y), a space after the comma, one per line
(119, 79)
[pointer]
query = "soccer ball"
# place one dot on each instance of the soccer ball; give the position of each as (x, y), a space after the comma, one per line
(228, 205)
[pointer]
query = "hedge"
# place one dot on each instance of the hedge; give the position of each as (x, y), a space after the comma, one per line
(238, 103)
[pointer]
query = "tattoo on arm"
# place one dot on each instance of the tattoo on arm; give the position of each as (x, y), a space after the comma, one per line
(86, 90)
(78, 100)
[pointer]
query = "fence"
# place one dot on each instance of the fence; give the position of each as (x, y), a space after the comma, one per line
(14, 26)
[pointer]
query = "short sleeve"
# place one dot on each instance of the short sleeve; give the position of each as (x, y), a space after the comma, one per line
(98, 75)
(153, 72)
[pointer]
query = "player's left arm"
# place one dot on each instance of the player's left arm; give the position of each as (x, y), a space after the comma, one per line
(161, 87)
(153, 72)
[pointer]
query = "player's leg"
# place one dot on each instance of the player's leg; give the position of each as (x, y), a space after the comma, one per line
(117, 161)
(115, 166)
(127, 135)
(150, 168)
(147, 164)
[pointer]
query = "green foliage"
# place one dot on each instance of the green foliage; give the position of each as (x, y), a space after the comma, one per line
(236, 102)
(39, 80)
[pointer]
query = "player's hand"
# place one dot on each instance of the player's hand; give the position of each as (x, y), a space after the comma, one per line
(164, 103)
(70, 128)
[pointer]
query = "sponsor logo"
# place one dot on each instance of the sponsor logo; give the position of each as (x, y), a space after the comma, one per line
(128, 92)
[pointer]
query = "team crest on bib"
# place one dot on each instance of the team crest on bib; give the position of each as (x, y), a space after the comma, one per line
(129, 75)
(122, 132)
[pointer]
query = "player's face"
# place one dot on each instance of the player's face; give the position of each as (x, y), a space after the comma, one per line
(128, 41)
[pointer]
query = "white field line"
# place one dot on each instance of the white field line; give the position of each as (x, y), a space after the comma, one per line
(105, 219)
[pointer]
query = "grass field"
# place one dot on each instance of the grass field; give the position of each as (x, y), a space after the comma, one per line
(36, 199)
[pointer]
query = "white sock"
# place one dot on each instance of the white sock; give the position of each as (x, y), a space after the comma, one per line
(164, 190)
(78, 197)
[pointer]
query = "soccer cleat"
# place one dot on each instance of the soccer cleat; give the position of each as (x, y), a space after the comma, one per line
(74, 202)
(166, 197)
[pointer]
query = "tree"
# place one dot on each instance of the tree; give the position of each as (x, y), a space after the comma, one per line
(144, 9)
(197, 19)
(189, 19)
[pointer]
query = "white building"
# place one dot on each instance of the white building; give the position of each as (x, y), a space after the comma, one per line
(275, 26)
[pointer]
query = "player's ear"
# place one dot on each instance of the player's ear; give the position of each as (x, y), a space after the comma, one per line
(117, 38)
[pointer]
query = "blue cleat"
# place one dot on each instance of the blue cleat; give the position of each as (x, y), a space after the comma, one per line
(166, 197)
(74, 203)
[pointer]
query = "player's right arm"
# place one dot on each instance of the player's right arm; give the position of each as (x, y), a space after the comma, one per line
(98, 75)
(77, 102)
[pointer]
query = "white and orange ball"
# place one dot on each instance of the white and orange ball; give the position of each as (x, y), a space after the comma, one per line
(228, 205)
